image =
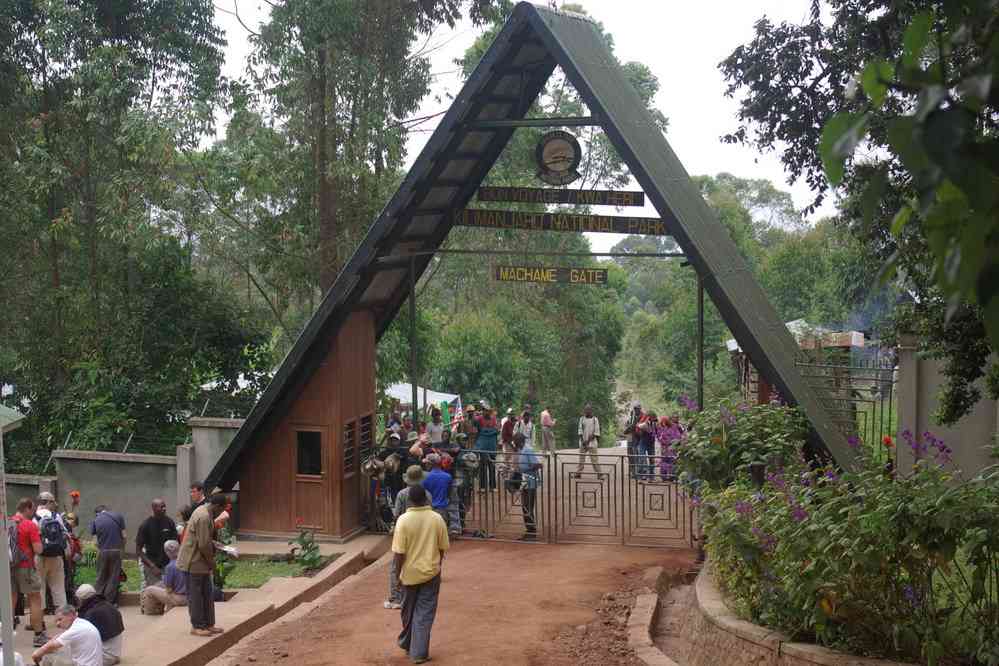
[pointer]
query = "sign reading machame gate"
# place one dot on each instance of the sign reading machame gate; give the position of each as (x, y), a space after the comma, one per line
(547, 195)
(513, 219)
(550, 274)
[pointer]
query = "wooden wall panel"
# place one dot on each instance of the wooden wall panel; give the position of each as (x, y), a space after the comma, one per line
(265, 485)
(310, 503)
(355, 361)
(341, 390)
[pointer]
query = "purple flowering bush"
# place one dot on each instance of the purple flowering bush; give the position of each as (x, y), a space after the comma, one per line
(876, 561)
(724, 440)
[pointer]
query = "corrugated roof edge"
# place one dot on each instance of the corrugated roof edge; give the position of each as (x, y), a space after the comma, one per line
(561, 12)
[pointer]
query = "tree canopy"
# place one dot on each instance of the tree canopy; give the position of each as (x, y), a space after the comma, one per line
(895, 106)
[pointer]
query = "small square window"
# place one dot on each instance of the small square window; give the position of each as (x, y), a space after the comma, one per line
(310, 452)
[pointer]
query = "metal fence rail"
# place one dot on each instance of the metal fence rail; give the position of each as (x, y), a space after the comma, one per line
(857, 390)
(623, 500)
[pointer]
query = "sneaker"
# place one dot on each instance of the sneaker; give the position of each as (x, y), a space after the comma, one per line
(201, 632)
(391, 605)
(216, 630)
(421, 660)
(41, 638)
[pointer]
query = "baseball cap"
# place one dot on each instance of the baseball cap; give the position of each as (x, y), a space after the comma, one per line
(46, 496)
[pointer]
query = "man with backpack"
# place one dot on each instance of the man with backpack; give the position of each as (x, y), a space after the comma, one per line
(24, 542)
(55, 539)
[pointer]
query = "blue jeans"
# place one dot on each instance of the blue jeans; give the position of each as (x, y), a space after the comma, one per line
(646, 458)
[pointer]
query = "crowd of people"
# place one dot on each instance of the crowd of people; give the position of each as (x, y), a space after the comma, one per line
(176, 562)
(423, 475)
(651, 441)
(447, 459)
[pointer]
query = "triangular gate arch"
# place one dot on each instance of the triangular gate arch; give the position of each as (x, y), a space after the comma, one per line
(454, 162)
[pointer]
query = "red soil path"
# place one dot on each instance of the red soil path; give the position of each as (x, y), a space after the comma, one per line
(501, 603)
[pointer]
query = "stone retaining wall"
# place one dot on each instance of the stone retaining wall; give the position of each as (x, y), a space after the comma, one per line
(716, 637)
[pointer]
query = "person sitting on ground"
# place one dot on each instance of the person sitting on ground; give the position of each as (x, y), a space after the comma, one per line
(80, 639)
(97, 611)
(438, 485)
(414, 477)
(172, 590)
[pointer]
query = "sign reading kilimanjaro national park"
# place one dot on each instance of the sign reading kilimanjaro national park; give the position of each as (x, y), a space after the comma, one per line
(514, 219)
(550, 274)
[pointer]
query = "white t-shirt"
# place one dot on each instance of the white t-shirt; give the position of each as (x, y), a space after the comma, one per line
(525, 428)
(436, 432)
(83, 642)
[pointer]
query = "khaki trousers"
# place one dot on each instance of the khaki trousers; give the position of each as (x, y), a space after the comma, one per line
(53, 575)
(548, 440)
(592, 451)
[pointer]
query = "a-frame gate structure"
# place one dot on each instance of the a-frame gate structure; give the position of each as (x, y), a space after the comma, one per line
(373, 285)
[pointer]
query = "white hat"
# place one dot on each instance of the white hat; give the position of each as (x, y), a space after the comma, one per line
(85, 591)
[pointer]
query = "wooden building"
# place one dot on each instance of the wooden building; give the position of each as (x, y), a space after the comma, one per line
(304, 470)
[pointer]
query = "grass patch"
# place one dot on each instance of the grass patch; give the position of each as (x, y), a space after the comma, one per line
(248, 572)
(88, 574)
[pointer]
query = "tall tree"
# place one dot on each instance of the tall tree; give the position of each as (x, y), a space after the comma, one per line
(338, 79)
(95, 101)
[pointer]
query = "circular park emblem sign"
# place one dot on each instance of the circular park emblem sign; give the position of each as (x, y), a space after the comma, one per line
(558, 155)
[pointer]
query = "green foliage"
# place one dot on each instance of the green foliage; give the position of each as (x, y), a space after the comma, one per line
(900, 565)
(723, 440)
(306, 550)
(895, 105)
(109, 327)
(820, 273)
(478, 358)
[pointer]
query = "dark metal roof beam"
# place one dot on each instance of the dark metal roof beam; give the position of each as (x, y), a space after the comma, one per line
(531, 89)
(488, 157)
(568, 121)
(447, 182)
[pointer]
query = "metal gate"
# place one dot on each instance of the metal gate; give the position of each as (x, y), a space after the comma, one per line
(620, 499)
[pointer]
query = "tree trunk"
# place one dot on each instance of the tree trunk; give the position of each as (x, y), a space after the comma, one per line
(326, 180)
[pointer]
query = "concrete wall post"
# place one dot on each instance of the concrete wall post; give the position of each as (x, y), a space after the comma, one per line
(50, 485)
(907, 394)
(185, 473)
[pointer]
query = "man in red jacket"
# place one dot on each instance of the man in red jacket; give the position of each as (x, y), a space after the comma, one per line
(26, 579)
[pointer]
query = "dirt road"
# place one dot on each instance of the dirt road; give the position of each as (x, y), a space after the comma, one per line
(501, 603)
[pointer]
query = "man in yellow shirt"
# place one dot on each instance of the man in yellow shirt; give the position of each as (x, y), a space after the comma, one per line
(419, 543)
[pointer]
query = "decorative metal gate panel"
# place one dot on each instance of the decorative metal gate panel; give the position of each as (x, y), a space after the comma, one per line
(625, 500)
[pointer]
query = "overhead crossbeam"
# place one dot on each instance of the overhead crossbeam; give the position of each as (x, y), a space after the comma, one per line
(567, 121)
